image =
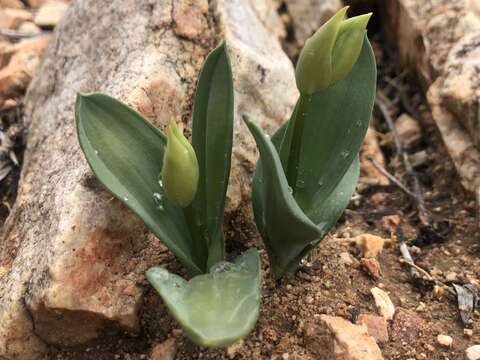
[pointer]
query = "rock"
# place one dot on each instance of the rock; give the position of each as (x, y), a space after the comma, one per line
(370, 149)
(190, 18)
(29, 27)
(445, 340)
(384, 304)
(464, 155)
(370, 245)
(390, 223)
(75, 257)
(473, 352)
(233, 349)
(406, 326)
(466, 332)
(11, 18)
(50, 13)
(164, 351)
(408, 130)
(22, 65)
(36, 3)
(337, 338)
(308, 16)
(372, 267)
(440, 40)
(11, 4)
(376, 326)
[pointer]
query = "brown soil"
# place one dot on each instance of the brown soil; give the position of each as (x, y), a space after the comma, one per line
(326, 285)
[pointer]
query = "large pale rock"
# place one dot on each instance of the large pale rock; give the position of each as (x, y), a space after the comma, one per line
(308, 15)
(441, 40)
(72, 258)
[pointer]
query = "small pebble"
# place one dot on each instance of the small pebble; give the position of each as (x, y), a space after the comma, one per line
(468, 332)
(384, 304)
(451, 276)
(444, 340)
(473, 352)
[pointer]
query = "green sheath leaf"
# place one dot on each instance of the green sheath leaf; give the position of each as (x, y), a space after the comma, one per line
(214, 309)
(335, 127)
(126, 152)
(212, 141)
(285, 229)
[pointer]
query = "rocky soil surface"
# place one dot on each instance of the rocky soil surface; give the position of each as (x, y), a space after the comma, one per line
(399, 276)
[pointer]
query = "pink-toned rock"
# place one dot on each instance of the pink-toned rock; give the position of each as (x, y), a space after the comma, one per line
(406, 326)
(11, 4)
(164, 351)
(190, 18)
(24, 60)
(12, 18)
(335, 338)
(372, 267)
(390, 223)
(376, 326)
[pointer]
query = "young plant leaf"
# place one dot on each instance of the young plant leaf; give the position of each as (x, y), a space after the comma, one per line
(335, 126)
(217, 308)
(212, 135)
(285, 229)
(126, 152)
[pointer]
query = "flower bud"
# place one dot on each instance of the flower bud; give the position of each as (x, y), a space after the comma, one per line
(329, 54)
(180, 168)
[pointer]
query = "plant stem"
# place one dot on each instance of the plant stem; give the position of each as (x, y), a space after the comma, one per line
(296, 144)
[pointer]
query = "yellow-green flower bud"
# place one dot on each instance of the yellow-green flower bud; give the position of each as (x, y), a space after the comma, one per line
(180, 168)
(329, 54)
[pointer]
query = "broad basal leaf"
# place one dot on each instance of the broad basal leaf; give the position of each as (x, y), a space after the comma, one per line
(212, 141)
(214, 309)
(125, 152)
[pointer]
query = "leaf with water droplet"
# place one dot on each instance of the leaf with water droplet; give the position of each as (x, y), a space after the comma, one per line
(217, 308)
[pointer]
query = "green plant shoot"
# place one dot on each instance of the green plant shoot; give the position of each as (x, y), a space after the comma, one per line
(185, 207)
(308, 170)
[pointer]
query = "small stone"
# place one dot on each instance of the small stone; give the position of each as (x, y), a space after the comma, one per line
(164, 351)
(468, 332)
(408, 130)
(11, 4)
(285, 356)
(406, 326)
(29, 27)
(335, 337)
(12, 18)
(50, 13)
(451, 276)
(473, 352)
(376, 326)
(390, 223)
(346, 258)
(378, 198)
(233, 349)
(370, 245)
(438, 291)
(383, 303)
(421, 307)
(444, 340)
(371, 267)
